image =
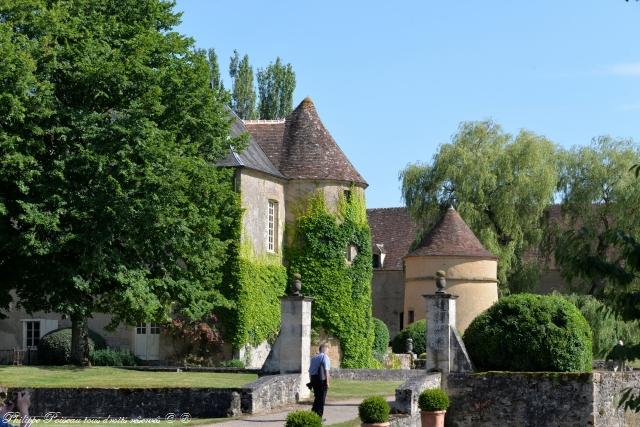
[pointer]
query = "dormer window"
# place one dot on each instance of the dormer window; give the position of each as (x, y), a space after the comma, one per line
(350, 253)
(378, 255)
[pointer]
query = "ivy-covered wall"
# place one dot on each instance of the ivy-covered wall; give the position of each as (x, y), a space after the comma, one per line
(253, 285)
(342, 290)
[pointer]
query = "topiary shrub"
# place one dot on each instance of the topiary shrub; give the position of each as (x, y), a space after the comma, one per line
(380, 338)
(109, 357)
(417, 332)
(433, 399)
(532, 333)
(303, 419)
(55, 347)
(374, 410)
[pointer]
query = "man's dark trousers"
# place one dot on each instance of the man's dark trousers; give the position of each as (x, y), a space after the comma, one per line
(320, 388)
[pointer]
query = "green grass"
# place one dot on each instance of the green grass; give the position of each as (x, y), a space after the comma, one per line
(346, 389)
(104, 377)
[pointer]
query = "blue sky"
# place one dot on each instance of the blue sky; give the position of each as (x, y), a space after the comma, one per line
(392, 80)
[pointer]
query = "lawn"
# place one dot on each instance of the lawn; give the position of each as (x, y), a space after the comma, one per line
(346, 389)
(104, 377)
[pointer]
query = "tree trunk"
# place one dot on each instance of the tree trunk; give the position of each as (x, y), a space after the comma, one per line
(79, 341)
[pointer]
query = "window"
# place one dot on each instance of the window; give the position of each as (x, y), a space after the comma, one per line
(401, 320)
(33, 333)
(376, 261)
(154, 328)
(411, 316)
(272, 226)
(33, 329)
(347, 195)
(141, 329)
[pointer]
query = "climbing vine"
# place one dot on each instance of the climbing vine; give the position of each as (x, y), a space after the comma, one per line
(253, 285)
(341, 288)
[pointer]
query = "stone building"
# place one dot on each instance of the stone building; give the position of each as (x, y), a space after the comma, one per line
(286, 161)
(401, 274)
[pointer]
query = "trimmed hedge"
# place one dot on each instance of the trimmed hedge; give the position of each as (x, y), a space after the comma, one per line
(433, 399)
(380, 337)
(109, 357)
(303, 419)
(530, 333)
(374, 409)
(417, 332)
(55, 347)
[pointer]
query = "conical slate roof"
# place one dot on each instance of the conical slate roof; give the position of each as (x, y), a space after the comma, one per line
(451, 236)
(302, 148)
(252, 157)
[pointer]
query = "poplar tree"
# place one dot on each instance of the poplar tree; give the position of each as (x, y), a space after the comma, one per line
(243, 94)
(108, 133)
(214, 71)
(276, 85)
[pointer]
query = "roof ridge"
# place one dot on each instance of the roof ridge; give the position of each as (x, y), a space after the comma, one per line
(263, 121)
(387, 208)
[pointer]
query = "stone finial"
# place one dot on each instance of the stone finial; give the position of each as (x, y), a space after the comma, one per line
(296, 285)
(441, 282)
(409, 345)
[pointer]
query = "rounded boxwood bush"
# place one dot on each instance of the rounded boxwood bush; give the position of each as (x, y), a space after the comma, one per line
(416, 331)
(381, 337)
(433, 399)
(530, 333)
(54, 347)
(374, 409)
(303, 419)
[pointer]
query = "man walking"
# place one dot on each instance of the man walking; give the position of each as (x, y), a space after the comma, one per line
(319, 372)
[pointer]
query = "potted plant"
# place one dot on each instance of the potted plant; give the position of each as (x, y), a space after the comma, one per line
(374, 412)
(433, 405)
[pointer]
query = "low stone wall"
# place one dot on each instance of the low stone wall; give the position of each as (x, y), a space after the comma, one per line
(270, 392)
(375, 374)
(131, 403)
(607, 389)
(539, 399)
(407, 394)
(264, 394)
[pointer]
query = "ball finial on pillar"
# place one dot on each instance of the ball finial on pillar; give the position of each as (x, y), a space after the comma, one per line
(296, 285)
(441, 282)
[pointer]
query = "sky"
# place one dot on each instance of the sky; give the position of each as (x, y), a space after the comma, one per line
(392, 81)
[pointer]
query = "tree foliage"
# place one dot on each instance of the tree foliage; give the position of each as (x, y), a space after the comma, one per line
(276, 84)
(599, 198)
(499, 184)
(108, 133)
(341, 291)
(217, 86)
(243, 94)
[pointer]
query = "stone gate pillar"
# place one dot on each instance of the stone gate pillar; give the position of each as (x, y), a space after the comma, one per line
(445, 349)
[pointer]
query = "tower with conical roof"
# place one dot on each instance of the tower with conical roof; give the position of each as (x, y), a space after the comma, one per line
(303, 150)
(471, 270)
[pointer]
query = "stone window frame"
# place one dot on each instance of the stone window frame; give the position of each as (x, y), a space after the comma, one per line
(272, 226)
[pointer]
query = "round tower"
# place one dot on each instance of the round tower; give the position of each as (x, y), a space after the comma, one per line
(471, 270)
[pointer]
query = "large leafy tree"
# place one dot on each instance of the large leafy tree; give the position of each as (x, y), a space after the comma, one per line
(108, 133)
(599, 197)
(500, 184)
(276, 84)
(243, 93)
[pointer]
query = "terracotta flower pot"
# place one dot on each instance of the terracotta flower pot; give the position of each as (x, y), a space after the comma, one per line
(375, 424)
(432, 419)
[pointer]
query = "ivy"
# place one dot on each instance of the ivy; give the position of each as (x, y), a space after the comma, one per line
(341, 291)
(254, 285)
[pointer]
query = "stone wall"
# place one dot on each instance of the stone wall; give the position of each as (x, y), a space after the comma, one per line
(262, 395)
(539, 399)
(376, 374)
(407, 394)
(607, 389)
(387, 296)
